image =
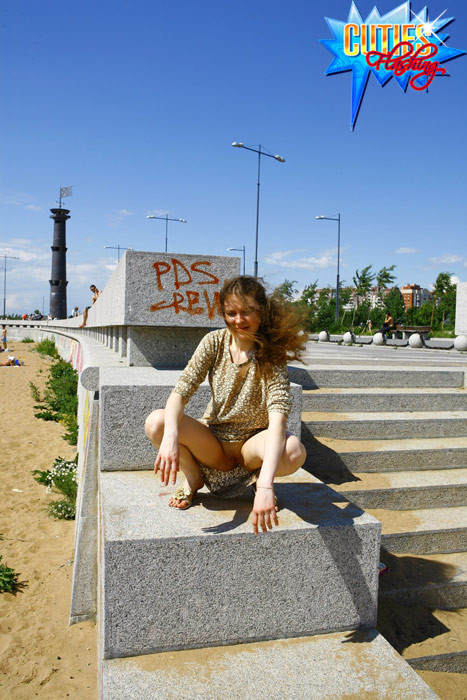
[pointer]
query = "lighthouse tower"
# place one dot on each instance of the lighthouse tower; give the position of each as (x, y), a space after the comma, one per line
(58, 281)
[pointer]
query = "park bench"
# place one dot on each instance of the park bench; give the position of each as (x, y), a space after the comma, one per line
(407, 331)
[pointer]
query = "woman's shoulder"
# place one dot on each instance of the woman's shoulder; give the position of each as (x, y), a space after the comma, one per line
(214, 339)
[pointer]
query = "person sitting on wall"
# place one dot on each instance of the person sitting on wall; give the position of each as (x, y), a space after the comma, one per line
(242, 437)
(95, 294)
(388, 324)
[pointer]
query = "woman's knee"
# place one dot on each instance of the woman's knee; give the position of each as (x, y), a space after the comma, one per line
(295, 452)
(154, 426)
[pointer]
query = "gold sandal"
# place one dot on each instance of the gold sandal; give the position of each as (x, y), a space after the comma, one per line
(184, 494)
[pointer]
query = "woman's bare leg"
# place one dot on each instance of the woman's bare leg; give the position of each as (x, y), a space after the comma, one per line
(292, 458)
(197, 444)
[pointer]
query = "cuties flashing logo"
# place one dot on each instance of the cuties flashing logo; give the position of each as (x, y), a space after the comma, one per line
(401, 44)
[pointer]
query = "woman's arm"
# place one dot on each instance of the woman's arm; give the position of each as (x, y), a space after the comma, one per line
(169, 451)
(264, 506)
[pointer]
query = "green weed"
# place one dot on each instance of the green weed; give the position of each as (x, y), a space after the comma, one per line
(47, 347)
(62, 478)
(8, 578)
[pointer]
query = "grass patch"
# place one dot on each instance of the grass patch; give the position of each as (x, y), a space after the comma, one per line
(60, 399)
(47, 347)
(62, 478)
(8, 578)
(27, 340)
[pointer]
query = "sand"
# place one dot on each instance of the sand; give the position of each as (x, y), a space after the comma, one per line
(40, 655)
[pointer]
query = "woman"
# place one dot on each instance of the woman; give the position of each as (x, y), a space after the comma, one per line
(242, 437)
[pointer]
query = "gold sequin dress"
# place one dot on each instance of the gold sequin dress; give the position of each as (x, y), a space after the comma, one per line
(241, 401)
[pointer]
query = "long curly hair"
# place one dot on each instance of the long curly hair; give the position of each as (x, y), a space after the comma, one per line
(280, 337)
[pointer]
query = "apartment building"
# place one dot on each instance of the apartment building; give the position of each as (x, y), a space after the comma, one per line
(414, 295)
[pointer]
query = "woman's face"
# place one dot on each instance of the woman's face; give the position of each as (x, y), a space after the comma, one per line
(242, 314)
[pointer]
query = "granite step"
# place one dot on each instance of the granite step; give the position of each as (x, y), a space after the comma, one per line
(406, 490)
(333, 460)
(423, 531)
(359, 664)
(435, 580)
(387, 425)
(367, 375)
(315, 573)
(384, 399)
(451, 629)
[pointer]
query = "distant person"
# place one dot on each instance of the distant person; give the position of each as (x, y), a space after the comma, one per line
(95, 294)
(11, 361)
(388, 324)
(75, 312)
(4, 337)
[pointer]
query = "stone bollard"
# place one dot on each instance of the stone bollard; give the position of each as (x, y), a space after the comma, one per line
(415, 340)
(460, 343)
(379, 339)
(349, 338)
(323, 337)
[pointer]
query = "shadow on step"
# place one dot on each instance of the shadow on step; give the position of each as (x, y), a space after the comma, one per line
(410, 623)
(323, 462)
(404, 625)
(407, 571)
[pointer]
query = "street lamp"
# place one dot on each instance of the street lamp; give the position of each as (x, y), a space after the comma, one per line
(167, 219)
(119, 248)
(5, 257)
(237, 144)
(242, 250)
(338, 219)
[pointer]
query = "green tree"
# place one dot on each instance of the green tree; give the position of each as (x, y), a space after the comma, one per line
(385, 278)
(309, 294)
(287, 290)
(444, 300)
(362, 280)
(394, 304)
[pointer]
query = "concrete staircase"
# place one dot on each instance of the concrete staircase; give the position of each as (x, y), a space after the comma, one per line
(193, 605)
(394, 442)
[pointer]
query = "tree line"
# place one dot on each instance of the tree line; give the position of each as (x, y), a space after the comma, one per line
(318, 307)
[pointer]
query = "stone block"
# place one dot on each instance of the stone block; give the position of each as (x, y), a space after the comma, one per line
(127, 397)
(163, 347)
(180, 580)
(461, 308)
(164, 289)
(84, 587)
(359, 665)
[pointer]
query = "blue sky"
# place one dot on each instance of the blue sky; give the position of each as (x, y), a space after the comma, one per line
(136, 106)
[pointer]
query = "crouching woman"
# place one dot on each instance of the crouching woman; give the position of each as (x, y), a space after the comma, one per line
(242, 437)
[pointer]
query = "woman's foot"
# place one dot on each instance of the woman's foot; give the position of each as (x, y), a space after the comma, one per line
(183, 496)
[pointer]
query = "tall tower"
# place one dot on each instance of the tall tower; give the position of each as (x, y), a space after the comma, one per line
(58, 282)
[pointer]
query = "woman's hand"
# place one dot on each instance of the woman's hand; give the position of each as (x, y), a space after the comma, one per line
(167, 461)
(264, 509)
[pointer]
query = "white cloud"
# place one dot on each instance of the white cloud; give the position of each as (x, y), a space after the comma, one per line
(326, 259)
(447, 258)
(19, 199)
(158, 212)
(405, 251)
(124, 212)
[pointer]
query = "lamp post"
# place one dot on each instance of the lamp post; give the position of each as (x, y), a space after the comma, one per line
(338, 219)
(119, 248)
(242, 250)
(5, 257)
(167, 219)
(260, 153)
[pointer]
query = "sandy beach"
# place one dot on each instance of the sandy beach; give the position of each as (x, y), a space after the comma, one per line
(40, 655)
